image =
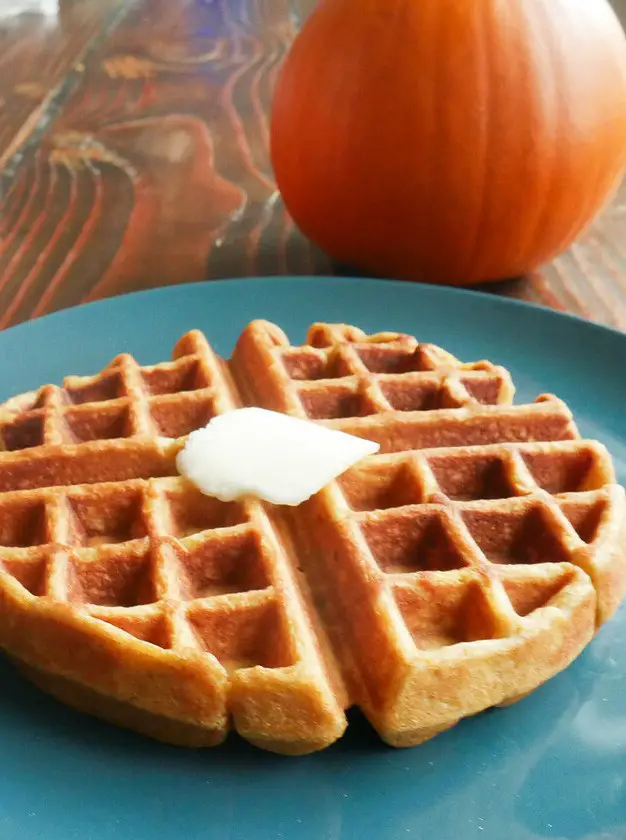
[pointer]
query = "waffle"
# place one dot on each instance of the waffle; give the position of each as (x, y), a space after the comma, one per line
(461, 568)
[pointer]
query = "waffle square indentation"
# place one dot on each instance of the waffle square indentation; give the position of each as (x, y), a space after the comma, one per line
(524, 535)
(218, 566)
(22, 524)
(415, 394)
(484, 387)
(254, 634)
(410, 540)
(585, 515)
(560, 471)
(101, 388)
(309, 365)
(380, 487)
(177, 416)
(99, 423)
(175, 377)
(29, 572)
(465, 477)
(335, 403)
(381, 358)
(444, 611)
(105, 517)
(147, 628)
(24, 432)
(528, 593)
(192, 512)
(115, 578)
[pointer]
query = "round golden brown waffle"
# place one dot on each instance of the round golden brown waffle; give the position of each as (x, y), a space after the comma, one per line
(461, 568)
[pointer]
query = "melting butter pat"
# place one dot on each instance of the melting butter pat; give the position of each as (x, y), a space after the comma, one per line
(271, 456)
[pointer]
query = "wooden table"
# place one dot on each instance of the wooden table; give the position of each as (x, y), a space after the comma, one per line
(134, 153)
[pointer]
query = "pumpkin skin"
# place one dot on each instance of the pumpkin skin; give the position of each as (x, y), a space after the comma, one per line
(450, 141)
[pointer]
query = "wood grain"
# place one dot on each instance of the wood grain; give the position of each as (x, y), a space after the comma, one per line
(156, 170)
(40, 45)
(141, 159)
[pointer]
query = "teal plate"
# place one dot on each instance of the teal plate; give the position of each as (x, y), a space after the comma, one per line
(552, 766)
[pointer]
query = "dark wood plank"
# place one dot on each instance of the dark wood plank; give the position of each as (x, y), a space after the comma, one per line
(157, 169)
(40, 42)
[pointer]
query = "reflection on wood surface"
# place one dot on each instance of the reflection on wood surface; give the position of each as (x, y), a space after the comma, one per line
(134, 148)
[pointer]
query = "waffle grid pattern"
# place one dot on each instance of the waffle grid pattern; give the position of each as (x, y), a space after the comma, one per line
(337, 380)
(124, 401)
(126, 422)
(446, 545)
(447, 479)
(492, 528)
(480, 516)
(129, 557)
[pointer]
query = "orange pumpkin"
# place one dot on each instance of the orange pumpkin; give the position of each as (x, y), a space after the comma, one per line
(452, 141)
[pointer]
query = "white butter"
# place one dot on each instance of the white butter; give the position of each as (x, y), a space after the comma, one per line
(271, 456)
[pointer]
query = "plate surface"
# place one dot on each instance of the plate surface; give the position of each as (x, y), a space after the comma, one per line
(552, 766)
